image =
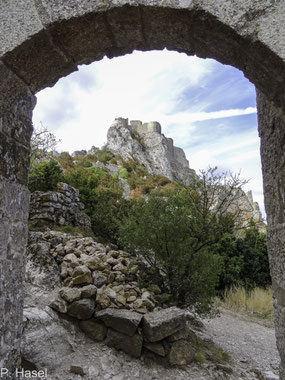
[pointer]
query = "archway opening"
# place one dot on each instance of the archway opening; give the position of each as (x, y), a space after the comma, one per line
(76, 36)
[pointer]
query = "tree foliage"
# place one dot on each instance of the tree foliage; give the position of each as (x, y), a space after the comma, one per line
(44, 176)
(253, 250)
(102, 196)
(178, 235)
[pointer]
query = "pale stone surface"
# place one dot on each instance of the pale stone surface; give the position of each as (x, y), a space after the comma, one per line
(59, 304)
(70, 294)
(158, 325)
(45, 341)
(150, 147)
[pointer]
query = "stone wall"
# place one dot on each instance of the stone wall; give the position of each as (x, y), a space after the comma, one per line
(58, 208)
(44, 40)
(272, 131)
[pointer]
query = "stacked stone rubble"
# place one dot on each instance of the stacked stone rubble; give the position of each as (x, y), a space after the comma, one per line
(101, 292)
(90, 270)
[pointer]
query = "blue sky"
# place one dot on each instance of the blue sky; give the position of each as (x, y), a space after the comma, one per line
(209, 109)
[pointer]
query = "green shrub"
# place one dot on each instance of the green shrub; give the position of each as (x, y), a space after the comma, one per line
(160, 231)
(66, 161)
(253, 249)
(104, 156)
(123, 173)
(44, 176)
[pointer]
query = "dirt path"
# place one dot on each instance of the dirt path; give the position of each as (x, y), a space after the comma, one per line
(251, 345)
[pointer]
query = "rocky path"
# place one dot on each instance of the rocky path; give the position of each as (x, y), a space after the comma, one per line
(252, 347)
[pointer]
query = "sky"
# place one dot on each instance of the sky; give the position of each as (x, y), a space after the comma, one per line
(209, 109)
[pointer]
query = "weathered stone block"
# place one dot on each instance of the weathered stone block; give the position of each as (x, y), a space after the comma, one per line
(70, 294)
(19, 21)
(99, 279)
(45, 341)
(68, 35)
(82, 309)
(124, 321)
(81, 275)
(131, 345)
(28, 59)
(158, 325)
(88, 291)
(58, 304)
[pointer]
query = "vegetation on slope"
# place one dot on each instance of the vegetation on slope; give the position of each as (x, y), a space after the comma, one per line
(185, 235)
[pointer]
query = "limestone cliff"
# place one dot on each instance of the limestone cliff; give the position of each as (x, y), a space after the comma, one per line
(146, 143)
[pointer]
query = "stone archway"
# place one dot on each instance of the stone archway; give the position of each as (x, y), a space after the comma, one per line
(43, 40)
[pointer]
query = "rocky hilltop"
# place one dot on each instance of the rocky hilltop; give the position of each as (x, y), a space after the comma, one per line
(146, 143)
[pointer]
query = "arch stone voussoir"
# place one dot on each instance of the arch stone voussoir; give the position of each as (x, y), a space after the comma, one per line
(44, 40)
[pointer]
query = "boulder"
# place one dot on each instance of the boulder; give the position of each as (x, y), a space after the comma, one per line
(88, 291)
(158, 325)
(124, 321)
(131, 345)
(70, 294)
(45, 341)
(41, 268)
(99, 279)
(181, 353)
(58, 304)
(82, 309)
(102, 301)
(94, 329)
(82, 275)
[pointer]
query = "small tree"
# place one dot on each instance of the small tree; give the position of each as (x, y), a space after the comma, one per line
(178, 236)
(43, 142)
(44, 176)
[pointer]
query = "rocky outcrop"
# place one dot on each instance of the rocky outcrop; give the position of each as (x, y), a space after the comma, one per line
(150, 147)
(58, 208)
(45, 339)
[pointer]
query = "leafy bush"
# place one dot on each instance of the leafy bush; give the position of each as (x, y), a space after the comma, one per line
(230, 275)
(123, 173)
(253, 249)
(66, 161)
(181, 236)
(44, 176)
(160, 231)
(104, 156)
(102, 196)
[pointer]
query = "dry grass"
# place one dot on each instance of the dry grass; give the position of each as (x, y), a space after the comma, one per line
(258, 302)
